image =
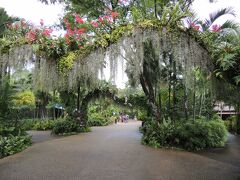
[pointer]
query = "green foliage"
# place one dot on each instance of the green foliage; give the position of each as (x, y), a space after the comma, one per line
(97, 119)
(69, 126)
(43, 125)
(28, 124)
(6, 93)
(4, 21)
(231, 124)
(24, 99)
(13, 144)
(39, 124)
(142, 116)
(66, 62)
(8, 130)
(190, 135)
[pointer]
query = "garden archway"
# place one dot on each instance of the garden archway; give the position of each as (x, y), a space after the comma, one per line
(152, 54)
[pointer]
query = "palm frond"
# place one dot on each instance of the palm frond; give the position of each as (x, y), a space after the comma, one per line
(215, 15)
(207, 23)
(230, 25)
(230, 28)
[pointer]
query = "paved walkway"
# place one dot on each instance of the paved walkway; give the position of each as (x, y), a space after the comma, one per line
(111, 153)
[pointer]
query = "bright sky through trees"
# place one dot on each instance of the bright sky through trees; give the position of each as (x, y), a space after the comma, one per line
(33, 10)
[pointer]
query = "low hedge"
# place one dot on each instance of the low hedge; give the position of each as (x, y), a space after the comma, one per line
(189, 135)
(68, 127)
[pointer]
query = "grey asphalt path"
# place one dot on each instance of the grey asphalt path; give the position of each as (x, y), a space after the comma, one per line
(111, 153)
(41, 136)
(229, 154)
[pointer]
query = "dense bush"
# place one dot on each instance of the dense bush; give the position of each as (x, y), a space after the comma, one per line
(44, 125)
(38, 124)
(231, 124)
(190, 135)
(96, 119)
(66, 127)
(28, 124)
(13, 144)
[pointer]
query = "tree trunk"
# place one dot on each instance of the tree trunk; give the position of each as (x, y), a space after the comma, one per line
(238, 118)
(194, 98)
(155, 8)
(149, 92)
(185, 103)
(160, 100)
(200, 105)
(78, 95)
(169, 87)
(174, 82)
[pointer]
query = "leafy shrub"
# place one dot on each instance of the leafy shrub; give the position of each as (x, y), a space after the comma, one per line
(97, 119)
(190, 135)
(67, 127)
(38, 124)
(13, 144)
(44, 125)
(142, 115)
(231, 124)
(28, 124)
(7, 131)
(24, 99)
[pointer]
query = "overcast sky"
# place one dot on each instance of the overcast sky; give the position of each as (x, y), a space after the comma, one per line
(33, 10)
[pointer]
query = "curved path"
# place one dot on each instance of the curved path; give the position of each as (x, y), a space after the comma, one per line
(110, 153)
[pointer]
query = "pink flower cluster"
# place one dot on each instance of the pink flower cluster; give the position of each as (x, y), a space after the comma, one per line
(216, 28)
(195, 26)
(80, 31)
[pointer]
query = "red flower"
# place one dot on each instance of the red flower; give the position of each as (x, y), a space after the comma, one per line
(78, 19)
(81, 30)
(101, 20)
(94, 24)
(216, 28)
(79, 46)
(47, 32)
(41, 22)
(31, 36)
(114, 14)
(68, 41)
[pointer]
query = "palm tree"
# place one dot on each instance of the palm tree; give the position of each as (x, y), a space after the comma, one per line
(209, 23)
(5, 20)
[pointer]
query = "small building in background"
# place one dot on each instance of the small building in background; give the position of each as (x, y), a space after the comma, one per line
(224, 110)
